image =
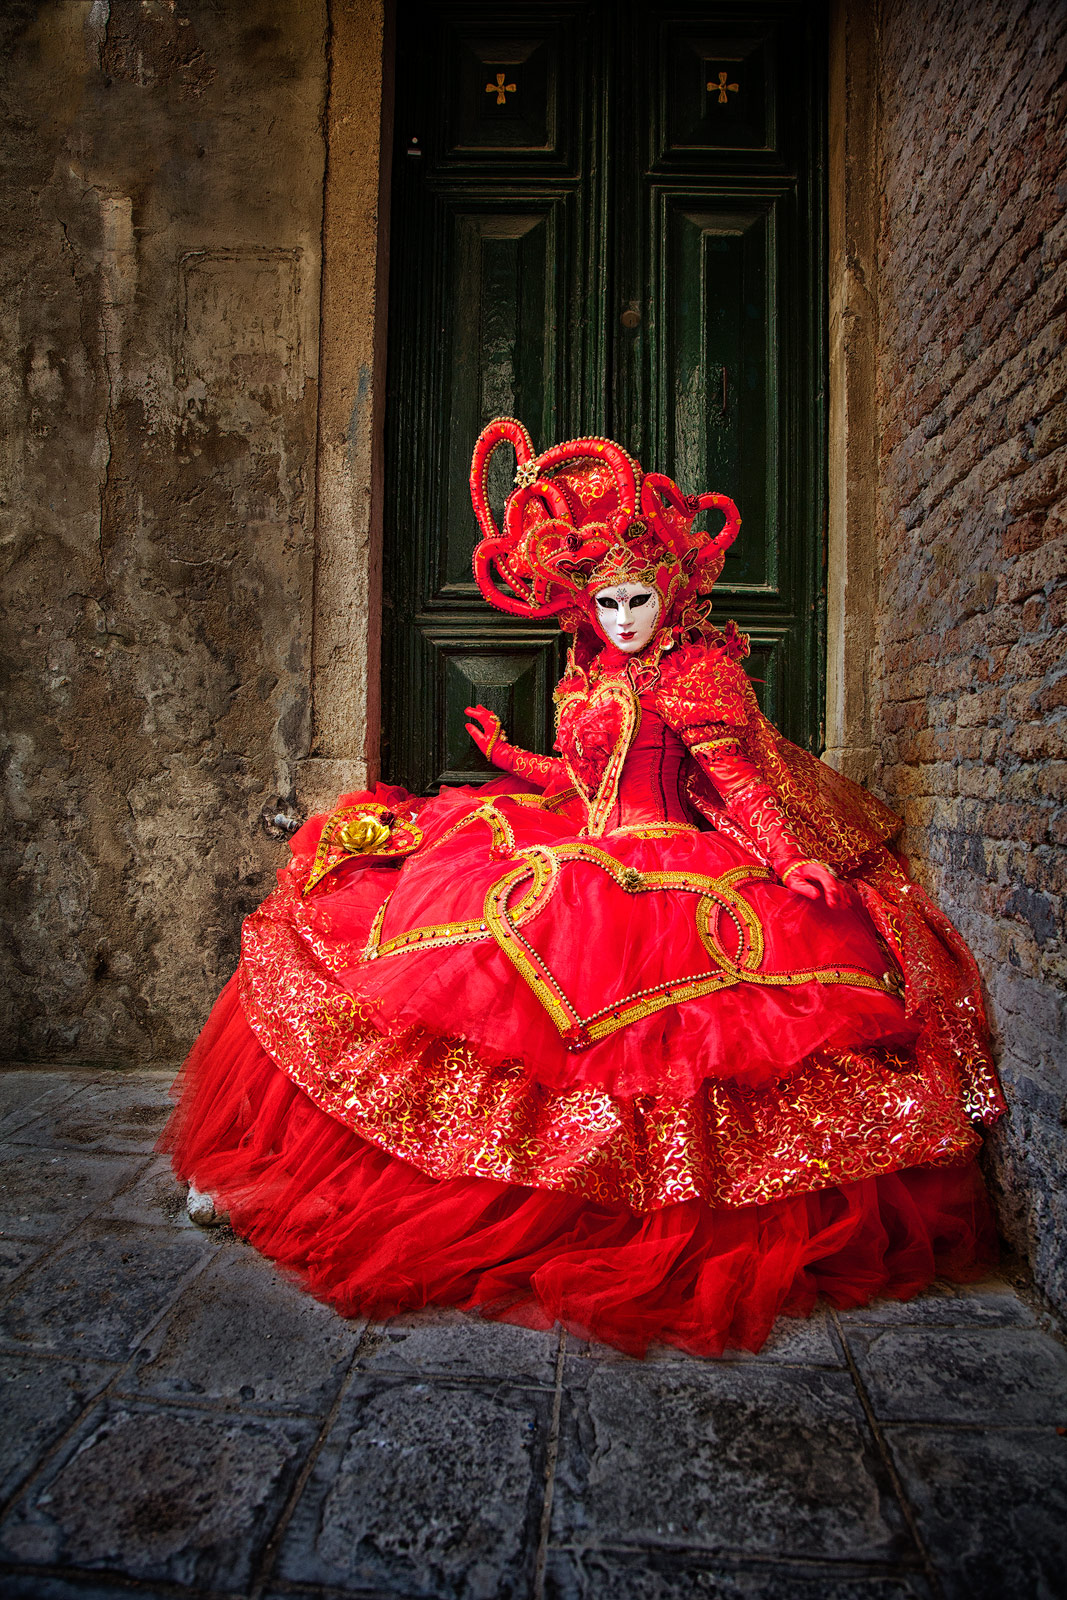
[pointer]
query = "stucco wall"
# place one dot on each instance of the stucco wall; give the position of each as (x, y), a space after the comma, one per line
(162, 220)
(969, 676)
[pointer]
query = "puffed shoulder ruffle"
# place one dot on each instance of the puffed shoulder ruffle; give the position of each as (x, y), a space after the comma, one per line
(701, 685)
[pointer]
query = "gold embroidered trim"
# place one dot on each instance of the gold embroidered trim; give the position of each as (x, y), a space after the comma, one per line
(718, 896)
(706, 746)
(793, 865)
(427, 938)
(544, 877)
(503, 833)
(544, 802)
(366, 831)
(375, 930)
(652, 830)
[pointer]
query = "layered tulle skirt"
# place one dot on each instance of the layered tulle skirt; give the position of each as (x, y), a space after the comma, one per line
(632, 1084)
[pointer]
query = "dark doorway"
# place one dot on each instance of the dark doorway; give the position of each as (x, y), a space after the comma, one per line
(607, 218)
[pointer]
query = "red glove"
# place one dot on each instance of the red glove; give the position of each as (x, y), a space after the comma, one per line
(751, 803)
(488, 734)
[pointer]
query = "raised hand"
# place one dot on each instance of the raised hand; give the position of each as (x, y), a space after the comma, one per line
(488, 734)
(486, 728)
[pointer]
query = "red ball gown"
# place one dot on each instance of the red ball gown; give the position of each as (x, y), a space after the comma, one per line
(569, 1048)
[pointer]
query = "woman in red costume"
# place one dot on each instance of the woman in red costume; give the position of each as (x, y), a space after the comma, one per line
(655, 1037)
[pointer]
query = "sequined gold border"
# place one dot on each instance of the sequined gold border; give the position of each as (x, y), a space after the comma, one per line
(433, 1101)
(716, 897)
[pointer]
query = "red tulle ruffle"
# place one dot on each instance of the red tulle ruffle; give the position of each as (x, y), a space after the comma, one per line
(372, 1235)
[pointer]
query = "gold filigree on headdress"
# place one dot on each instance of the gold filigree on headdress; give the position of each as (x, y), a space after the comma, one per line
(584, 516)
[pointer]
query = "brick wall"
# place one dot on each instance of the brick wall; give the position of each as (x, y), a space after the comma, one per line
(969, 701)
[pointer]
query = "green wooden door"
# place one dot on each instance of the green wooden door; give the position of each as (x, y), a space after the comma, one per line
(607, 218)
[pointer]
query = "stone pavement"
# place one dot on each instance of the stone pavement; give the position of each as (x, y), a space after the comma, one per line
(180, 1420)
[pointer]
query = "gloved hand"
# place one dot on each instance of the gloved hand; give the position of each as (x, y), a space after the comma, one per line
(488, 734)
(811, 877)
(486, 729)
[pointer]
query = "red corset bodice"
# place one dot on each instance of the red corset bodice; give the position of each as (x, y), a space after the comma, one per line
(628, 763)
(652, 785)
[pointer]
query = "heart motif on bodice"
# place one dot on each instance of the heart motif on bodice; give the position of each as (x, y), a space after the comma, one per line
(596, 729)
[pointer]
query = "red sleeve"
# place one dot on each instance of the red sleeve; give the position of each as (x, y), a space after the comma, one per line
(706, 698)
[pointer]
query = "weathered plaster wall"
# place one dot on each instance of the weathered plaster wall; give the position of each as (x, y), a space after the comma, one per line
(969, 676)
(162, 218)
(350, 474)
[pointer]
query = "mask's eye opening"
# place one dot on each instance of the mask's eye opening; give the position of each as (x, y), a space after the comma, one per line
(606, 603)
(639, 600)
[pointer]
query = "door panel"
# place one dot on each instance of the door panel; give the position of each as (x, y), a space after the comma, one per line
(768, 665)
(556, 167)
(718, 86)
(503, 337)
(718, 375)
(514, 680)
(507, 85)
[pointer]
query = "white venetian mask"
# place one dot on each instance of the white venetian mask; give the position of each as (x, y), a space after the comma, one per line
(627, 614)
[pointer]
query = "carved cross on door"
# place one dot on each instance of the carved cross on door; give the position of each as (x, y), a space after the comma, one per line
(722, 86)
(502, 89)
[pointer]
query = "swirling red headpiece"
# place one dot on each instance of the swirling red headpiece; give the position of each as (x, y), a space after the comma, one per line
(582, 516)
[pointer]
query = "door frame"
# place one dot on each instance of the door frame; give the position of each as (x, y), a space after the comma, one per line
(345, 687)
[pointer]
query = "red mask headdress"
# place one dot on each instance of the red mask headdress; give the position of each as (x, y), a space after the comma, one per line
(583, 516)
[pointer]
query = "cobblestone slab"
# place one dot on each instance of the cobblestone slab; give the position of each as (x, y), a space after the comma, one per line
(26, 1093)
(169, 1494)
(99, 1291)
(125, 1112)
(760, 1460)
(794, 1341)
(243, 1334)
(44, 1195)
(39, 1400)
(453, 1344)
(597, 1575)
(992, 1504)
(16, 1255)
(425, 1489)
(992, 1303)
(1016, 1375)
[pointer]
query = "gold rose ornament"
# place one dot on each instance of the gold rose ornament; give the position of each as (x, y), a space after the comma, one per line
(370, 831)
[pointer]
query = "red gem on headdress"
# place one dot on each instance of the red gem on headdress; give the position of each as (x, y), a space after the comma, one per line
(574, 544)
